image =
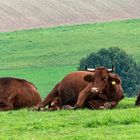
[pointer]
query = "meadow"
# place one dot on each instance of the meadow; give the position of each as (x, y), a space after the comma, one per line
(44, 56)
(120, 123)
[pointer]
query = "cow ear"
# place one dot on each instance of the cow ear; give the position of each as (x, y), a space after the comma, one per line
(115, 80)
(88, 78)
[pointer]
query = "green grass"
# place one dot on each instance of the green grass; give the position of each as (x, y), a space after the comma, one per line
(120, 123)
(43, 78)
(44, 57)
(66, 45)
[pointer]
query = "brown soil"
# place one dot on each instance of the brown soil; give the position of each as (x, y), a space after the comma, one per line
(27, 14)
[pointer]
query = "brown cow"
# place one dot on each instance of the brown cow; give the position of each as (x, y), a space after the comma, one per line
(17, 93)
(137, 103)
(99, 89)
(107, 86)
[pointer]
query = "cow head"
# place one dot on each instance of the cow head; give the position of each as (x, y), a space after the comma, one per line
(101, 79)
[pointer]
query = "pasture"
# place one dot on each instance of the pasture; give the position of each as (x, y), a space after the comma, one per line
(120, 123)
(44, 56)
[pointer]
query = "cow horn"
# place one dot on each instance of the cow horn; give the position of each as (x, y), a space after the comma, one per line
(112, 70)
(90, 69)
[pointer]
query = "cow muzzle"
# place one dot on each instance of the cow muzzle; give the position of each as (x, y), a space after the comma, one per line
(94, 90)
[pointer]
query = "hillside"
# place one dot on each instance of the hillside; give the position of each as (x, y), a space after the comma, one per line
(44, 56)
(25, 14)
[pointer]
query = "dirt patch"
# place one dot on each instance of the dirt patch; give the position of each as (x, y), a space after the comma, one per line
(27, 14)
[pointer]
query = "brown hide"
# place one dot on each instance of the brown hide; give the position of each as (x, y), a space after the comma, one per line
(109, 100)
(17, 93)
(107, 86)
(137, 103)
(76, 89)
(67, 90)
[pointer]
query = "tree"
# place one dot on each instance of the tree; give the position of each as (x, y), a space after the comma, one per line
(125, 66)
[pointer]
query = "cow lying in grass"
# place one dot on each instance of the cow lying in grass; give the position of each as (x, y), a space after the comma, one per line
(94, 89)
(17, 93)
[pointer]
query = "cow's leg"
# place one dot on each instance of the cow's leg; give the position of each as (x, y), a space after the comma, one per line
(55, 104)
(67, 107)
(49, 98)
(53, 108)
(83, 95)
(111, 104)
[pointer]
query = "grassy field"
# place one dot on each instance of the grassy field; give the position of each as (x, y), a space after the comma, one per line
(120, 123)
(44, 56)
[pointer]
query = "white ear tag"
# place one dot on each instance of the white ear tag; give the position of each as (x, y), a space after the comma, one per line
(113, 82)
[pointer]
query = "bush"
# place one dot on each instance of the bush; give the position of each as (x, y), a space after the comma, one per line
(125, 66)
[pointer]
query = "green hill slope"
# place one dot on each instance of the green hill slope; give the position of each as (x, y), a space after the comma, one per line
(44, 56)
